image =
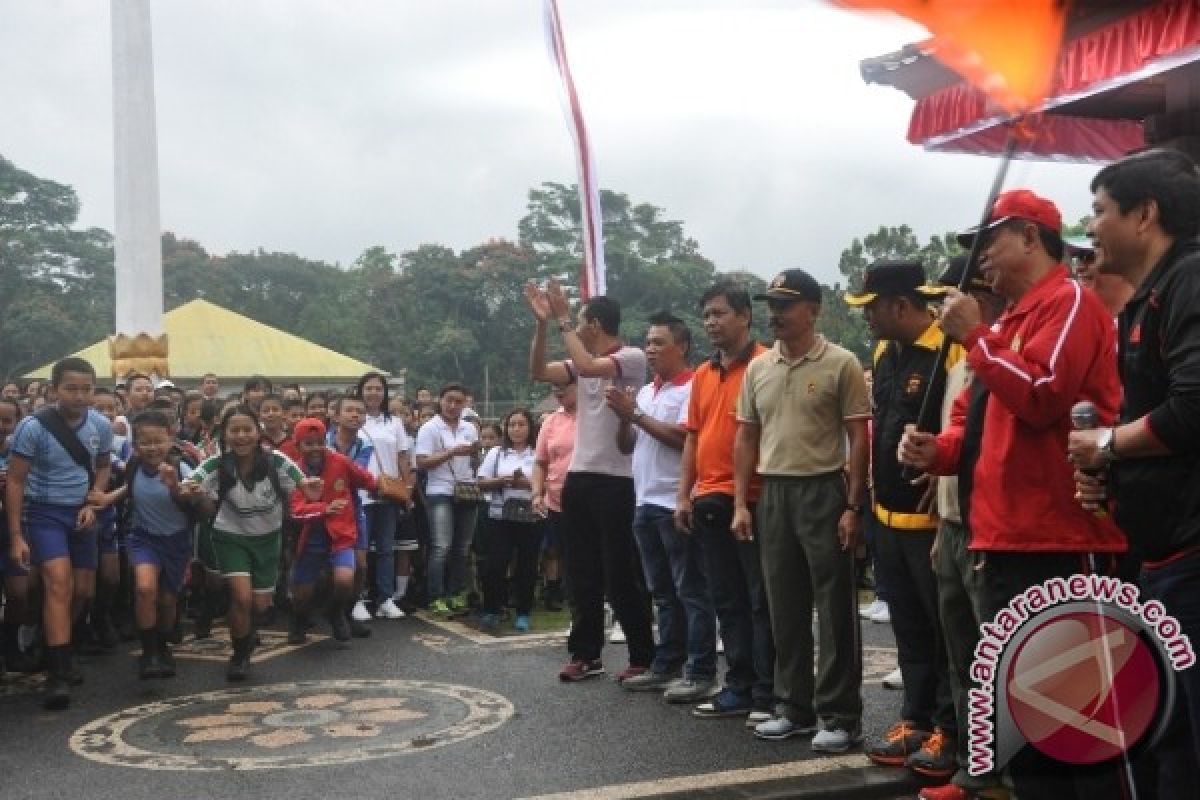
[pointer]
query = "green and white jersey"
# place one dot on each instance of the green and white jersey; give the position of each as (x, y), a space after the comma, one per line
(254, 510)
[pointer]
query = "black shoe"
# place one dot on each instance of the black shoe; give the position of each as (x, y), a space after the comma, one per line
(104, 633)
(166, 658)
(552, 596)
(71, 670)
(297, 630)
(16, 659)
(239, 663)
(56, 694)
(149, 666)
(359, 630)
(84, 641)
(341, 627)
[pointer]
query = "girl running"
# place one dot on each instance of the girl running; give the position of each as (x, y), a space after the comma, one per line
(245, 488)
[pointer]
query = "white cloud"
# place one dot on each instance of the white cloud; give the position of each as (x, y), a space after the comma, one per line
(323, 127)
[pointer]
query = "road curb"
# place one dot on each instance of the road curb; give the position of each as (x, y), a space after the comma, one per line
(853, 783)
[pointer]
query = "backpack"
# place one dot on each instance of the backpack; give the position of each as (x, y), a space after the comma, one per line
(227, 478)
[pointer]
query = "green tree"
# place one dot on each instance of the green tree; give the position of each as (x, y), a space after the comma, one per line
(56, 282)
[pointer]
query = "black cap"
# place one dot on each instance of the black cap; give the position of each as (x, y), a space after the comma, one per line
(792, 284)
(952, 276)
(892, 277)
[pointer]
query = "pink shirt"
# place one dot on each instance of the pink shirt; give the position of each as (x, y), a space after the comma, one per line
(555, 444)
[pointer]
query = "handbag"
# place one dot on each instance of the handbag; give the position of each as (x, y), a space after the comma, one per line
(465, 492)
(393, 490)
(514, 509)
(518, 509)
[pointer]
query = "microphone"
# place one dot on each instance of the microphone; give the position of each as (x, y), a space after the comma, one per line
(1084, 417)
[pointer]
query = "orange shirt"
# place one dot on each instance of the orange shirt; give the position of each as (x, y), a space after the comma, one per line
(712, 416)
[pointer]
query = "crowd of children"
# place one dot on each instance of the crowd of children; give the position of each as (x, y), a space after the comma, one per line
(127, 511)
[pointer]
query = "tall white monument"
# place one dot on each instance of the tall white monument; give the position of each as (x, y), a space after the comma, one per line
(140, 343)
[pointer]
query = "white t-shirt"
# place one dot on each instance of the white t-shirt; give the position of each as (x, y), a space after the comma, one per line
(436, 436)
(656, 467)
(500, 462)
(595, 423)
(389, 438)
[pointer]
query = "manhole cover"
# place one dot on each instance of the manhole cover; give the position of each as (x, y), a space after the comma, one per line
(305, 724)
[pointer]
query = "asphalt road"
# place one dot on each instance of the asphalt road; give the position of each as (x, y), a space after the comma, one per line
(418, 710)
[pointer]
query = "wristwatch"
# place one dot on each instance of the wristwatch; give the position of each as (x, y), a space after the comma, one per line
(565, 326)
(1108, 444)
(637, 415)
(855, 507)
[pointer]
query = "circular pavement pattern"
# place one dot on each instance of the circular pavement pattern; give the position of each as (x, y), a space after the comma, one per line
(287, 725)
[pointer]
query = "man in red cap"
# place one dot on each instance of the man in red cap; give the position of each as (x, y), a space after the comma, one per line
(329, 528)
(1053, 347)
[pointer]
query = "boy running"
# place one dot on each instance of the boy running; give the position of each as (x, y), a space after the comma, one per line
(59, 456)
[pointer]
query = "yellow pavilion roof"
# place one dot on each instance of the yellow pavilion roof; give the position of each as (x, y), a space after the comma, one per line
(203, 337)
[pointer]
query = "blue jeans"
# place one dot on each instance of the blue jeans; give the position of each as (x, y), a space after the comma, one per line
(739, 596)
(382, 521)
(451, 528)
(675, 577)
(1178, 753)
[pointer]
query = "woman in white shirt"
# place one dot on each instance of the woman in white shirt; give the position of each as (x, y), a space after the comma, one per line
(386, 433)
(512, 525)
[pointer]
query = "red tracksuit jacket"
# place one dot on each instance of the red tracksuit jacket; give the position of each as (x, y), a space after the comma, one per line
(342, 479)
(1050, 350)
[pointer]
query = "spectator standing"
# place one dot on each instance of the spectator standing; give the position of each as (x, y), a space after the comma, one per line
(800, 402)
(598, 495)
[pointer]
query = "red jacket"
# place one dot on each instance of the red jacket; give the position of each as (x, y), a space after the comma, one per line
(342, 479)
(1050, 350)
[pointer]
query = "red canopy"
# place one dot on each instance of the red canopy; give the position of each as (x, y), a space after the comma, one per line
(1144, 44)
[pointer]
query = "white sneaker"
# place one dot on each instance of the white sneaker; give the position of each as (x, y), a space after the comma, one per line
(618, 634)
(834, 741)
(360, 613)
(756, 718)
(871, 609)
(883, 615)
(894, 679)
(388, 610)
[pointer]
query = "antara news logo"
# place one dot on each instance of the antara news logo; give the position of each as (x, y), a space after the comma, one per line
(1078, 667)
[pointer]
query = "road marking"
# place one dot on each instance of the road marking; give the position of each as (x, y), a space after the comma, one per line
(711, 780)
(476, 637)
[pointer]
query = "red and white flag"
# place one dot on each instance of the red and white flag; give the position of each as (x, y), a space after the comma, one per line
(592, 281)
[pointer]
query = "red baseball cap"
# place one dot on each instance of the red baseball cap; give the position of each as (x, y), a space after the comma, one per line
(1017, 204)
(307, 427)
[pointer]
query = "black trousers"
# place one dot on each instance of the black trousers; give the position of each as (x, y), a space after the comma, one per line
(504, 540)
(903, 560)
(602, 561)
(1036, 776)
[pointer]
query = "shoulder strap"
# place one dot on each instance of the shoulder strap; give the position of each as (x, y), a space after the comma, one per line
(57, 427)
(132, 466)
(273, 477)
(227, 478)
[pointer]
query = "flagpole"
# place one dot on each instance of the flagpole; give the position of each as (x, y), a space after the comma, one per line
(930, 413)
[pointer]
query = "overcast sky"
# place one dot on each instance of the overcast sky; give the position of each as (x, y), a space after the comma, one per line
(323, 128)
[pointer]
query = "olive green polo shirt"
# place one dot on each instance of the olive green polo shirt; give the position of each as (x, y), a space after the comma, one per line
(801, 407)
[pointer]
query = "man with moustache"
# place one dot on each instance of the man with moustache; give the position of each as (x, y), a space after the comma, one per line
(1147, 217)
(800, 403)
